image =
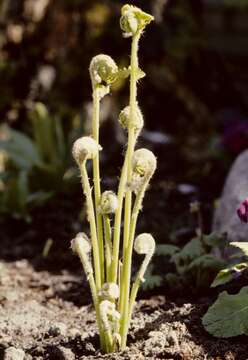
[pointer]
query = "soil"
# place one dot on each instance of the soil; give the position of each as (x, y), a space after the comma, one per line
(46, 311)
(49, 317)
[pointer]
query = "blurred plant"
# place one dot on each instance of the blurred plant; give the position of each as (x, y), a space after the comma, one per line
(195, 264)
(242, 4)
(110, 277)
(33, 167)
(228, 316)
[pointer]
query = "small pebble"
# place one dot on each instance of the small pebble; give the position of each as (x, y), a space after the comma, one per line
(14, 354)
(58, 329)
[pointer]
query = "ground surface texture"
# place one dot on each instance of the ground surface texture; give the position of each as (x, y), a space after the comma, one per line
(49, 316)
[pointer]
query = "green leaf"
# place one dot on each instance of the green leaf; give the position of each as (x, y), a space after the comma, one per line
(15, 195)
(20, 149)
(44, 133)
(207, 262)
(123, 73)
(228, 316)
(151, 280)
(226, 275)
(39, 197)
(223, 277)
(140, 74)
(215, 240)
(243, 246)
(203, 270)
(192, 250)
(166, 249)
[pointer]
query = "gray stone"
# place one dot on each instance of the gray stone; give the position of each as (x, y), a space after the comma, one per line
(14, 354)
(234, 192)
(58, 329)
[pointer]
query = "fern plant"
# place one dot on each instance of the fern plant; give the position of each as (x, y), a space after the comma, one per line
(109, 272)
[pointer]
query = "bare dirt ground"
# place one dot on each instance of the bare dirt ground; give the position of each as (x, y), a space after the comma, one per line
(49, 316)
(46, 311)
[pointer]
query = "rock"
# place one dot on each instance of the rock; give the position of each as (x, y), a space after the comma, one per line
(58, 329)
(14, 354)
(234, 192)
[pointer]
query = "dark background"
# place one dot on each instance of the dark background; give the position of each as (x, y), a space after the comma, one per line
(194, 99)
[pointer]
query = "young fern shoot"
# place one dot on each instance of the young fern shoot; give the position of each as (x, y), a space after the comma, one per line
(109, 278)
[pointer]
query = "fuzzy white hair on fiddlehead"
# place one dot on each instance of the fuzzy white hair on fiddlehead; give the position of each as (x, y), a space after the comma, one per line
(137, 122)
(109, 315)
(103, 70)
(85, 148)
(109, 203)
(82, 247)
(144, 245)
(109, 291)
(144, 164)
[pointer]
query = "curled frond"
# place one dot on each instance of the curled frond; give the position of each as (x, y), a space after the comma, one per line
(103, 70)
(82, 247)
(108, 314)
(133, 20)
(81, 243)
(108, 203)
(137, 122)
(85, 148)
(145, 244)
(144, 164)
(109, 291)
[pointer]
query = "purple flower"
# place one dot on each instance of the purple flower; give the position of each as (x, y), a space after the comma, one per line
(242, 211)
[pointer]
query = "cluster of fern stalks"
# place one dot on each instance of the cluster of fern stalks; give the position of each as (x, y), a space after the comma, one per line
(113, 216)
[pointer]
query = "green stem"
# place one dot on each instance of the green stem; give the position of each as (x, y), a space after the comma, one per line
(92, 221)
(125, 288)
(90, 277)
(108, 341)
(108, 246)
(128, 259)
(96, 180)
(136, 285)
(117, 222)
